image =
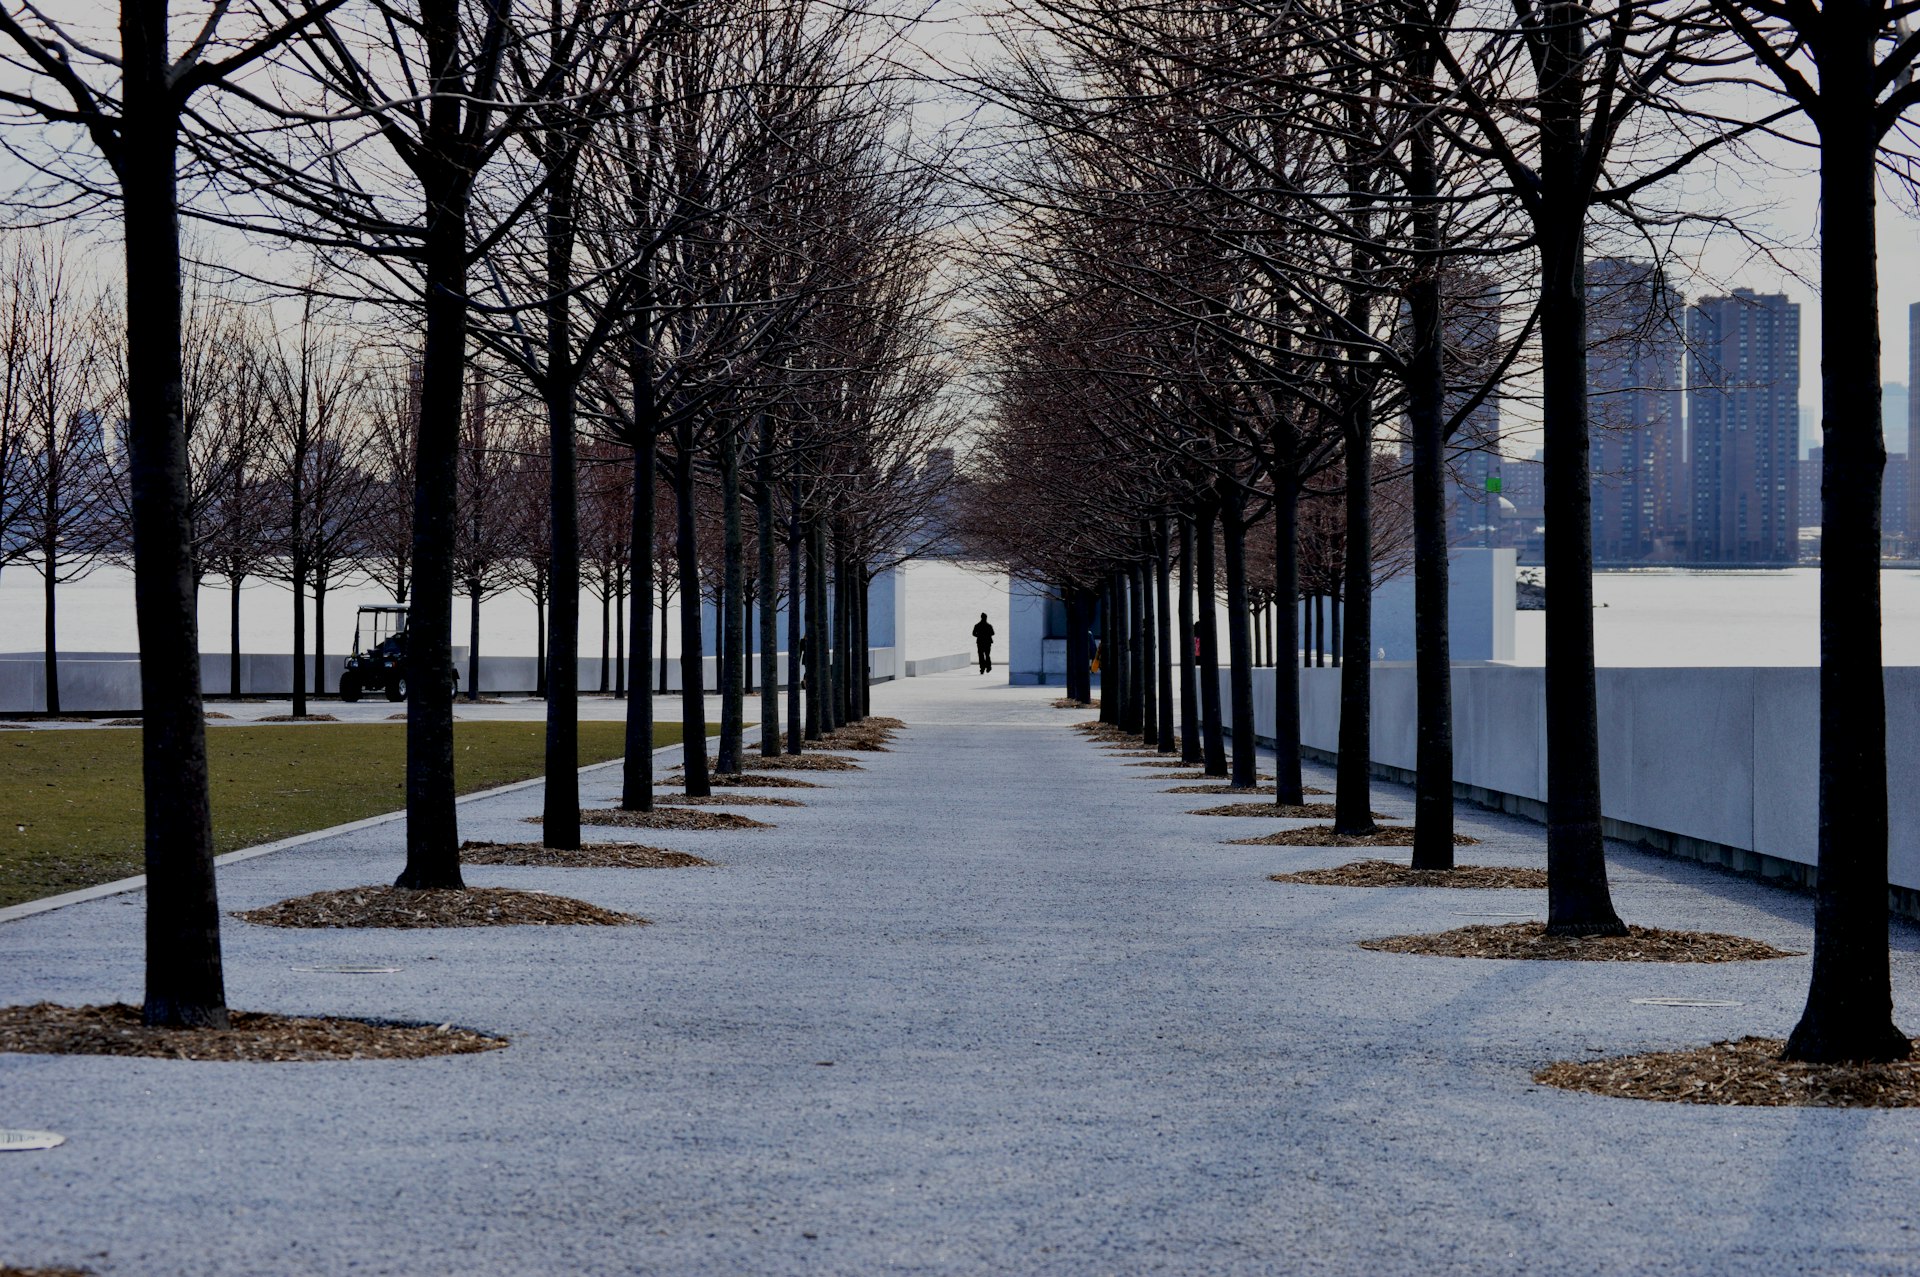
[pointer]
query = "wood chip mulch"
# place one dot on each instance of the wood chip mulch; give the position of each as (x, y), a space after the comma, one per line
(122, 722)
(669, 818)
(466, 907)
(1121, 751)
(593, 855)
(303, 718)
(725, 800)
(8, 1270)
(1070, 703)
(254, 1037)
(1385, 873)
(1291, 811)
(1530, 940)
(797, 763)
(1324, 836)
(857, 738)
(214, 713)
(747, 780)
(1218, 789)
(1749, 1071)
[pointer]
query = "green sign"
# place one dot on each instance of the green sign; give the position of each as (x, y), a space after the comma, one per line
(1493, 483)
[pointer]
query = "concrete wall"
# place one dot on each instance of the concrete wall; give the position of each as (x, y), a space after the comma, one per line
(940, 664)
(1024, 643)
(1480, 607)
(1723, 757)
(110, 681)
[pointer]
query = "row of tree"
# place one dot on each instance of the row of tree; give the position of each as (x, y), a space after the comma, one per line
(1250, 253)
(689, 233)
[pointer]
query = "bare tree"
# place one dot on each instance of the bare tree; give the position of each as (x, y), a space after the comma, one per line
(65, 521)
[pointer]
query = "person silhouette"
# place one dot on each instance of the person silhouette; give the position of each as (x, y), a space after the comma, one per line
(983, 643)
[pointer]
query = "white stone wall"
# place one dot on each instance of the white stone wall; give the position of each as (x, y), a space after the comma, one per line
(1726, 756)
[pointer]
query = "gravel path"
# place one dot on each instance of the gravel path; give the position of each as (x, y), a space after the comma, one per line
(992, 1005)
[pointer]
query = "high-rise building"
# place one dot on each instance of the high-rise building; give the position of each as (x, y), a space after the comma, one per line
(1473, 308)
(1636, 442)
(1743, 391)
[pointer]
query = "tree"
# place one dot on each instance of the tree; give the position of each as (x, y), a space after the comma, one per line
(133, 108)
(1848, 66)
(65, 472)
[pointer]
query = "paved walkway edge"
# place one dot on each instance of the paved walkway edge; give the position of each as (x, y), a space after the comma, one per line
(120, 886)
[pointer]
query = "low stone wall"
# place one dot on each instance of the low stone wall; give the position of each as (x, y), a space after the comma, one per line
(109, 682)
(940, 664)
(1715, 764)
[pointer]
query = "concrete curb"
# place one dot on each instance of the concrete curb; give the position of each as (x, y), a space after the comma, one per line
(138, 882)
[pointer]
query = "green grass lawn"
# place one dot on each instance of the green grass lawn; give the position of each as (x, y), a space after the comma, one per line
(70, 800)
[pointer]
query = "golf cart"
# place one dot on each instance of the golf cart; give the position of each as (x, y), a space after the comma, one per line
(382, 663)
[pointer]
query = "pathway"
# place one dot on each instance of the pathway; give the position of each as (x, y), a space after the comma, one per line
(992, 1005)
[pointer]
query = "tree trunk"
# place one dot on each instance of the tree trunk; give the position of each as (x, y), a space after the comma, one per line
(299, 631)
(733, 650)
(52, 656)
(540, 648)
(1287, 783)
(1213, 744)
(1578, 901)
(1426, 421)
(665, 593)
(233, 650)
(1354, 765)
(796, 626)
(1246, 757)
(473, 640)
(1189, 671)
(433, 832)
(606, 636)
(1849, 1011)
(1110, 696)
(320, 633)
(619, 636)
(560, 810)
(769, 595)
(693, 709)
(636, 771)
(1128, 583)
(1169, 639)
(185, 986)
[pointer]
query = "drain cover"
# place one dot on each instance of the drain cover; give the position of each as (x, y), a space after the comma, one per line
(346, 968)
(29, 1141)
(1681, 1002)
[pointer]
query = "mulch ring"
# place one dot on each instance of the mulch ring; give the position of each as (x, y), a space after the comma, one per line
(1324, 836)
(1385, 873)
(8, 1270)
(593, 855)
(1749, 1071)
(1218, 789)
(670, 818)
(858, 736)
(463, 907)
(745, 780)
(1120, 751)
(300, 718)
(1291, 811)
(254, 1037)
(795, 763)
(725, 800)
(1070, 703)
(1530, 940)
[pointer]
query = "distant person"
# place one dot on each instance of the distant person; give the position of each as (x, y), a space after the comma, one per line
(983, 641)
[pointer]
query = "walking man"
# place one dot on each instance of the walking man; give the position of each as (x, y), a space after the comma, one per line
(983, 641)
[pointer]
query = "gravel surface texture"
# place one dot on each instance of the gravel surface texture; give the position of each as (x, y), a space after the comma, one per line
(987, 1006)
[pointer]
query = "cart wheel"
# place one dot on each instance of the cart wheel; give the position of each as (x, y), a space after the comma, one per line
(397, 689)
